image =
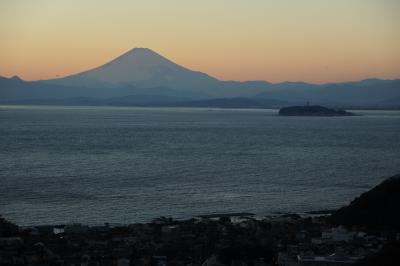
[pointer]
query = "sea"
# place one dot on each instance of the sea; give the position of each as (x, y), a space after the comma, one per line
(125, 165)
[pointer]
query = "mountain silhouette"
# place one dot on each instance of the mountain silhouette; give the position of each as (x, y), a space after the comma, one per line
(144, 77)
(139, 67)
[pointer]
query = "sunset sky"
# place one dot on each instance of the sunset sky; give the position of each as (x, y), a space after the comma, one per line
(286, 40)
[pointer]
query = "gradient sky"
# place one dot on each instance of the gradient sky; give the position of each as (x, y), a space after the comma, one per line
(275, 40)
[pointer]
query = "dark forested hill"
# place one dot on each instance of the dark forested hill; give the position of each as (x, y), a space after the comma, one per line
(377, 208)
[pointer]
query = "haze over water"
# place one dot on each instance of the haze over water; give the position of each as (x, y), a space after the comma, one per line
(125, 165)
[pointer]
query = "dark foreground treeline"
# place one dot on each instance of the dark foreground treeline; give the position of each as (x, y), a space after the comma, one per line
(369, 236)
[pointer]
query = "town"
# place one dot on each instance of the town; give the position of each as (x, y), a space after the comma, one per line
(284, 240)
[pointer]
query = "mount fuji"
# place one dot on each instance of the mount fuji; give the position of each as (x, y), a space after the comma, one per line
(140, 68)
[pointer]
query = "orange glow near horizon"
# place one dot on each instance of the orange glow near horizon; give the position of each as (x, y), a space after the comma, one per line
(312, 41)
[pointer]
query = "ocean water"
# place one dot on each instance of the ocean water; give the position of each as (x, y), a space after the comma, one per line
(124, 165)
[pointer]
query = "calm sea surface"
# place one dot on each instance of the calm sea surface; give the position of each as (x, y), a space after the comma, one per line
(123, 165)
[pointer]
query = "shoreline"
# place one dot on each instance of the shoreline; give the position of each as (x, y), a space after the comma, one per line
(234, 216)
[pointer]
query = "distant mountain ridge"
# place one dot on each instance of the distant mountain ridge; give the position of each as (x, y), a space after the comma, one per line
(143, 72)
